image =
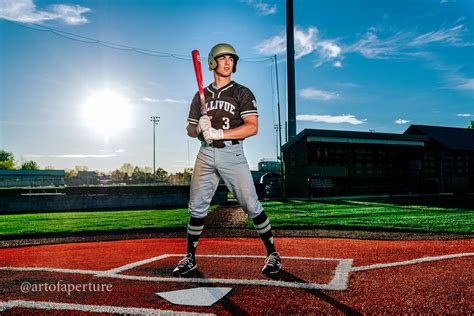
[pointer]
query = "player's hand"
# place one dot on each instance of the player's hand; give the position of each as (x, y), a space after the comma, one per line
(213, 134)
(204, 124)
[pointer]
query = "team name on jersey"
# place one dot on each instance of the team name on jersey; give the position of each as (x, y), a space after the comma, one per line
(220, 105)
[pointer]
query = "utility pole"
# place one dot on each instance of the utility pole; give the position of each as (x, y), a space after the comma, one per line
(290, 71)
(155, 120)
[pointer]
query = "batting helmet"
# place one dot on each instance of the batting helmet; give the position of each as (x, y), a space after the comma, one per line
(219, 50)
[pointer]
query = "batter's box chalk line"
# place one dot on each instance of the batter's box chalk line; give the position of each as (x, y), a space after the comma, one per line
(44, 305)
(339, 281)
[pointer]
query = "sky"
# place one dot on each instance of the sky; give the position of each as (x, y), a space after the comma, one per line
(79, 80)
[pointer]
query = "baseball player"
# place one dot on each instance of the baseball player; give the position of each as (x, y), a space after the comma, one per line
(231, 117)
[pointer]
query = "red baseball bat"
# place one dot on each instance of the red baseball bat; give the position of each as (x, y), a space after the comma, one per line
(198, 72)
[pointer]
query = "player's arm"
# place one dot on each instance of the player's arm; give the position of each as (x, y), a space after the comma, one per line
(192, 130)
(249, 128)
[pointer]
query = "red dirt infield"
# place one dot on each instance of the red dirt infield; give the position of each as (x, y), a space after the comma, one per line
(319, 276)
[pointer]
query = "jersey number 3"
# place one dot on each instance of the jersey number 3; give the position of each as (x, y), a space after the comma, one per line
(226, 123)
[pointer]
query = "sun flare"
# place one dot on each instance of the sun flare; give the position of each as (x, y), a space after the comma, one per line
(107, 113)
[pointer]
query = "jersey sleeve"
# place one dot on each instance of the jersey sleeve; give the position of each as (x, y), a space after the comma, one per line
(248, 103)
(194, 110)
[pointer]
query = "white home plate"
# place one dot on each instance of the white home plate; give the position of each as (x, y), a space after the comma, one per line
(199, 296)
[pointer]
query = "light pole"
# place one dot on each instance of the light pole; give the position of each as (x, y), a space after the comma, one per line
(280, 153)
(277, 147)
(154, 120)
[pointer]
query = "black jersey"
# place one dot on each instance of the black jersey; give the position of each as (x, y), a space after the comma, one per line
(228, 105)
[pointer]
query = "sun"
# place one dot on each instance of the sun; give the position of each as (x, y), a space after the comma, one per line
(106, 113)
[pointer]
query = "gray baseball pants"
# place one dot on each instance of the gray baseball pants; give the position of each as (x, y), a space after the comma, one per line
(231, 164)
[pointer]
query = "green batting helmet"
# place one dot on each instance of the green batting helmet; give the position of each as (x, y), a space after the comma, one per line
(219, 50)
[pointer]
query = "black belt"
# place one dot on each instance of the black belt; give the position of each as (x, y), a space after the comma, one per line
(221, 144)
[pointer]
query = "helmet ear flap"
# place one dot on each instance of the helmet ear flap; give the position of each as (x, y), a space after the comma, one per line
(212, 62)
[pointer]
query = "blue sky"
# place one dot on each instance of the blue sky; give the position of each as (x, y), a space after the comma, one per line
(361, 65)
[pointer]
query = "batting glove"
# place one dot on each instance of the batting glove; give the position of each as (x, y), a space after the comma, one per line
(213, 134)
(204, 124)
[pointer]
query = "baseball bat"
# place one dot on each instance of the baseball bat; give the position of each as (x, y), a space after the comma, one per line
(198, 72)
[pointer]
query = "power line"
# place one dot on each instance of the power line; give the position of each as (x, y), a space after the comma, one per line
(89, 40)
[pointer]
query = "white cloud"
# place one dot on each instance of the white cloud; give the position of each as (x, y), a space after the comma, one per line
(306, 42)
(332, 119)
(150, 100)
(273, 45)
(315, 94)
(402, 121)
(372, 47)
(337, 64)
(26, 11)
(402, 45)
(348, 84)
(71, 156)
(120, 150)
(262, 8)
(452, 36)
(465, 115)
(83, 156)
(465, 84)
(167, 100)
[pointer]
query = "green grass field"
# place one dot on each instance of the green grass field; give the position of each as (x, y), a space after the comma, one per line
(414, 215)
(83, 222)
(371, 215)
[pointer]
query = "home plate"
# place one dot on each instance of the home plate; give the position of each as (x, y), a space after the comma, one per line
(198, 296)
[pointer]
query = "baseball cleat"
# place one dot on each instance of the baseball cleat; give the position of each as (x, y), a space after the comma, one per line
(272, 264)
(185, 265)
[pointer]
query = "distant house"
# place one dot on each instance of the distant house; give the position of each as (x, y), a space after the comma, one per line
(84, 178)
(449, 157)
(31, 178)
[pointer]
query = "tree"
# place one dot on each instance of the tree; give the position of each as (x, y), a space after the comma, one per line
(7, 160)
(127, 168)
(187, 174)
(471, 126)
(181, 177)
(29, 165)
(119, 176)
(161, 174)
(81, 168)
(176, 178)
(138, 176)
(70, 173)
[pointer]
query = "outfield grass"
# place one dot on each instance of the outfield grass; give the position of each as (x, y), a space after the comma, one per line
(371, 215)
(83, 222)
(414, 215)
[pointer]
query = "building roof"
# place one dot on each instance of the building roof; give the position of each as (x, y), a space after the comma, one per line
(357, 137)
(452, 138)
(38, 173)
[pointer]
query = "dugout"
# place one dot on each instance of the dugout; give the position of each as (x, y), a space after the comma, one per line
(31, 178)
(356, 163)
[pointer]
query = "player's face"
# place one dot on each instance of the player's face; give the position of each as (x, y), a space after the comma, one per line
(225, 65)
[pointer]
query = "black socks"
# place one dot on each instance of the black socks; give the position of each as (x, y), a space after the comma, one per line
(195, 227)
(262, 225)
